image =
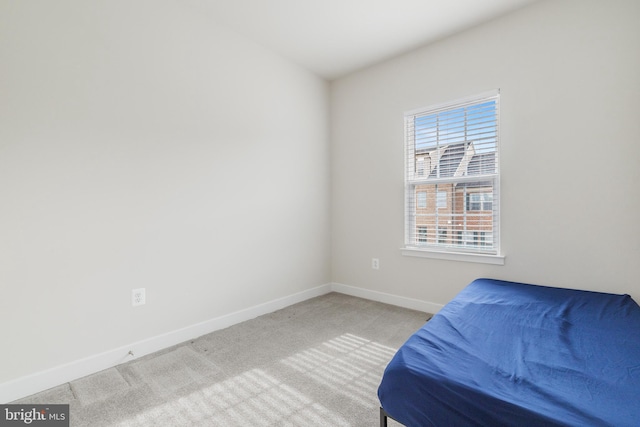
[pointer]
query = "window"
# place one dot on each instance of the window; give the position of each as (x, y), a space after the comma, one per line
(479, 201)
(442, 235)
(452, 162)
(422, 234)
(421, 198)
(479, 238)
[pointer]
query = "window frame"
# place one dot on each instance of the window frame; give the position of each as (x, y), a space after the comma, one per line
(449, 250)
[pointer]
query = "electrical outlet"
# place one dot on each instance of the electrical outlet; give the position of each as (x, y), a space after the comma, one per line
(138, 297)
(375, 263)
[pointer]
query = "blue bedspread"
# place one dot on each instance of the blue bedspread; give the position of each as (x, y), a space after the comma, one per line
(511, 354)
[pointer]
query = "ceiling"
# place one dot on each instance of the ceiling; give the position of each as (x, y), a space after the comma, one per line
(335, 37)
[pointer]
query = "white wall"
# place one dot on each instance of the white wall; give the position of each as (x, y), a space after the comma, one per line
(568, 72)
(140, 147)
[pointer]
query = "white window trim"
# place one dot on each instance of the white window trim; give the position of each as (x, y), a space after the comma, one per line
(452, 255)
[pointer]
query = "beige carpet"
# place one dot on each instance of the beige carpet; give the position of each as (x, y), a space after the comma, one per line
(317, 363)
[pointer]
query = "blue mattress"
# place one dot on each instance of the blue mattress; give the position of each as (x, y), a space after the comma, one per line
(511, 354)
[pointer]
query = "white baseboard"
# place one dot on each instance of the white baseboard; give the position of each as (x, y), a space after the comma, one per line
(411, 303)
(44, 380)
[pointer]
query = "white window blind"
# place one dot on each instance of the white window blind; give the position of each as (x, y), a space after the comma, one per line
(452, 162)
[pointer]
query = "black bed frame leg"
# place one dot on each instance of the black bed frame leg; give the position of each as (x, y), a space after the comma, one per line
(383, 418)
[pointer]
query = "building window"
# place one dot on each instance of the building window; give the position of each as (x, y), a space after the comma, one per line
(421, 199)
(422, 234)
(442, 235)
(459, 237)
(479, 201)
(452, 162)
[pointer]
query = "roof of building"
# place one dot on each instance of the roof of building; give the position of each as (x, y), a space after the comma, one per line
(459, 159)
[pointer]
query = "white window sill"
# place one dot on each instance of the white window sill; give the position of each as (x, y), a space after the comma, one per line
(454, 256)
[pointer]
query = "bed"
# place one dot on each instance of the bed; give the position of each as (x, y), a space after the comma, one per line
(512, 354)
